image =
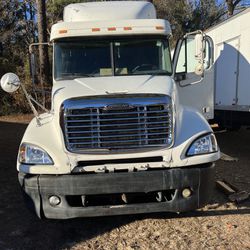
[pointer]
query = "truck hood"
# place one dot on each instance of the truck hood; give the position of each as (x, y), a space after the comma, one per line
(94, 86)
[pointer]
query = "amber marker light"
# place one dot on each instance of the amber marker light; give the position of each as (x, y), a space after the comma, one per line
(159, 27)
(127, 28)
(96, 29)
(112, 29)
(63, 31)
(22, 152)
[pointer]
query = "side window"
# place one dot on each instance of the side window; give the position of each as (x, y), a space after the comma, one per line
(191, 59)
(187, 60)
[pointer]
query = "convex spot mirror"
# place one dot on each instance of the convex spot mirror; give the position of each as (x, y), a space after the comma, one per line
(10, 82)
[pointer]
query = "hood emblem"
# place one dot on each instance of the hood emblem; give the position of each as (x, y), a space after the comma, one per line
(118, 106)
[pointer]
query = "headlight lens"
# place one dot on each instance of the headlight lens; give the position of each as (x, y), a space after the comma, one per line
(31, 154)
(203, 145)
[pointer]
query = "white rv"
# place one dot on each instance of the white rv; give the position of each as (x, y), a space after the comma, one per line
(232, 70)
(122, 136)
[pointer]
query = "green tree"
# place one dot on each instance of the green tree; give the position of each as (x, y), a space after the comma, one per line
(15, 36)
(55, 9)
(205, 14)
(177, 13)
(231, 5)
(43, 50)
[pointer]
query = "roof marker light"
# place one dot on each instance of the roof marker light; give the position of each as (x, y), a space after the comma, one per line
(112, 29)
(127, 28)
(63, 31)
(96, 29)
(159, 27)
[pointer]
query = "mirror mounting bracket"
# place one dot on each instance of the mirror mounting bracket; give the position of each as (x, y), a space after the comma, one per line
(37, 44)
(30, 99)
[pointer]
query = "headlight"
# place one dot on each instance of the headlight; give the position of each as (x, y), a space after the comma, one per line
(203, 145)
(31, 154)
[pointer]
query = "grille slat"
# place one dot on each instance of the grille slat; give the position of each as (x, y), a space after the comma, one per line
(118, 135)
(120, 119)
(127, 141)
(120, 130)
(131, 113)
(118, 123)
(122, 124)
(128, 146)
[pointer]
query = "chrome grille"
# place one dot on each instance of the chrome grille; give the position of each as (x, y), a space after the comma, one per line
(117, 123)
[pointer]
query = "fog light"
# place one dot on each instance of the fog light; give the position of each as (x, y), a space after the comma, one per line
(54, 200)
(186, 192)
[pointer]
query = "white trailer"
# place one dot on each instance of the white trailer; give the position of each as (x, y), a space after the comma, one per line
(232, 70)
(121, 136)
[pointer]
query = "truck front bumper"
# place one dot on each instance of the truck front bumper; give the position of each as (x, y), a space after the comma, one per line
(74, 192)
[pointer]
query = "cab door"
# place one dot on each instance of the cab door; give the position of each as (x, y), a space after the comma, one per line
(194, 72)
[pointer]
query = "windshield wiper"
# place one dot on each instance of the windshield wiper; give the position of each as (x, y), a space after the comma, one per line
(73, 76)
(159, 73)
(163, 73)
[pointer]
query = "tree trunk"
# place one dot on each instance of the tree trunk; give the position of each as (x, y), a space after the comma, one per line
(231, 6)
(43, 50)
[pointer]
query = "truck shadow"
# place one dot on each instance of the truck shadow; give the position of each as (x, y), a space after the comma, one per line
(21, 230)
(231, 85)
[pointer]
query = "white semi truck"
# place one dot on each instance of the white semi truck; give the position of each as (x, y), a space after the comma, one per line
(127, 130)
(232, 66)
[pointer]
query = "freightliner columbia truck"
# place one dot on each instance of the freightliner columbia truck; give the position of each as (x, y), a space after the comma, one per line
(127, 131)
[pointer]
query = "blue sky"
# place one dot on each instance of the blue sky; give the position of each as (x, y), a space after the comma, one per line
(243, 1)
(219, 1)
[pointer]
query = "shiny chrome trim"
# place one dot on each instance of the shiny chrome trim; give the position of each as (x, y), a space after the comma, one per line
(146, 139)
(111, 136)
(102, 101)
(89, 112)
(112, 125)
(132, 129)
(118, 106)
(121, 119)
(131, 113)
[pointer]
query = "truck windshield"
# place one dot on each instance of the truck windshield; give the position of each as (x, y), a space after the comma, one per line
(76, 59)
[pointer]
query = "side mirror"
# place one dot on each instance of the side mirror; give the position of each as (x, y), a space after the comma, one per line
(193, 56)
(199, 47)
(33, 62)
(10, 82)
(199, 54)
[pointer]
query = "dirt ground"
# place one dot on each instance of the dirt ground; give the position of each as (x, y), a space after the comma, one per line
(220, 225)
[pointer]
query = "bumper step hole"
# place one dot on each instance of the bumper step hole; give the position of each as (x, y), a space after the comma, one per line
(120, 199)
